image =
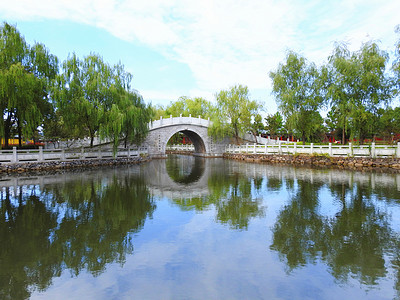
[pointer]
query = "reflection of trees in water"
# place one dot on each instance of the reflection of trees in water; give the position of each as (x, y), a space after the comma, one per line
(233, 200)
(79, 225)
(358, 236)
(231, 195)
(297, 231)
(27, 256)
(353, 243)
(274, 184)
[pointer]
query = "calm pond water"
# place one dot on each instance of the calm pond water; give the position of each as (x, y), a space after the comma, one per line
(192, 228)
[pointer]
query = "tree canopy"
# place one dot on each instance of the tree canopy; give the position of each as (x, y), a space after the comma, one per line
(186, 106)
(353, 88)
(95, 98)
(297, 88)
(26, 73)
(357, 87)
(234, 112)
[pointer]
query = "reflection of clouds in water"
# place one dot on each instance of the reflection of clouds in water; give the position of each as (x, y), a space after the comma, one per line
(192, 254)
(206, 264)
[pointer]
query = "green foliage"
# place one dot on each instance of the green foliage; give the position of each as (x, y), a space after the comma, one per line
(234, 112)
(186, 106)
(297, 88)
(54, 128)
(389, 122)
(354, 85)
(127, 119)
(95, 98)
(84, 91)
(257, 125)
(26, 74)
(358, 86)
(274, 124)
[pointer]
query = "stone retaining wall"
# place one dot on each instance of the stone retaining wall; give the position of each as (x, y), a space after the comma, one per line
(182, 152)
(59, 165)
(355, 163)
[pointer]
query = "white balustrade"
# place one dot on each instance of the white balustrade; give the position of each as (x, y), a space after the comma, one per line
(179, 120)
(43, 155)
(350, 150)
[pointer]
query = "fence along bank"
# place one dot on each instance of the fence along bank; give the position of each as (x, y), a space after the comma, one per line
(83, 153)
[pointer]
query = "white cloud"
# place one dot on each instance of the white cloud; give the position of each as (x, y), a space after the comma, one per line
(161, 97)
(227, 41)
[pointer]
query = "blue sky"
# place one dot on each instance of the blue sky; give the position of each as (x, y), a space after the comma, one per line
(196, 48)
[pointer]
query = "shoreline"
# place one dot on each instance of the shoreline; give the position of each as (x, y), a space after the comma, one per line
(388, 165)
(29, 167)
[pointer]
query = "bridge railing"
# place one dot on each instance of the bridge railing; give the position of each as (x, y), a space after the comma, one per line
(43, 155)
(350, 150)
(179, 120)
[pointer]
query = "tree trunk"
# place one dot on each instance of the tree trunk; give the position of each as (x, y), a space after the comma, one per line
(7, 129)
(361, 141)
(19, 134)
(236, 135)
(343, 136)
(303, 136)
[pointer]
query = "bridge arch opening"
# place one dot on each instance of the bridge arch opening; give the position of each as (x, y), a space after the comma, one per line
(195, 138)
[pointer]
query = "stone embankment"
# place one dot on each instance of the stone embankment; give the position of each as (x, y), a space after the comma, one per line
(182, 152)
(73, 164)
(353, 163)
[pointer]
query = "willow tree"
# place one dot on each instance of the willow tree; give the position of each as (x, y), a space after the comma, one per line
(84, 91)
(234, 112)
(127, 119)
(26, 73)
(296, 85)
(96, 99)
(358, 86)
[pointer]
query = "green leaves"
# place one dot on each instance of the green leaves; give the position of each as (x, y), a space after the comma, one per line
(186, 106)
(95, 96)
(298, 91)
(234, 112)
(26, 74)
(359, 86)
(274, 124)
(127, 119)
(354, 85)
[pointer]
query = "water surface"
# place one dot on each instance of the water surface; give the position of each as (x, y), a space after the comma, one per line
(192, 228)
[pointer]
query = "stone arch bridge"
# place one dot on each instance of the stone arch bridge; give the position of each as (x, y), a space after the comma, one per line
(194, 128)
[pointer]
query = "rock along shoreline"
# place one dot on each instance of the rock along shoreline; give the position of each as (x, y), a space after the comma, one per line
(391, 165)
(72, 164)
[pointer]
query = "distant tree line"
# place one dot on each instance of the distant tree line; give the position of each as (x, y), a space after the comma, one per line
(356, 88)
(81, 97)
